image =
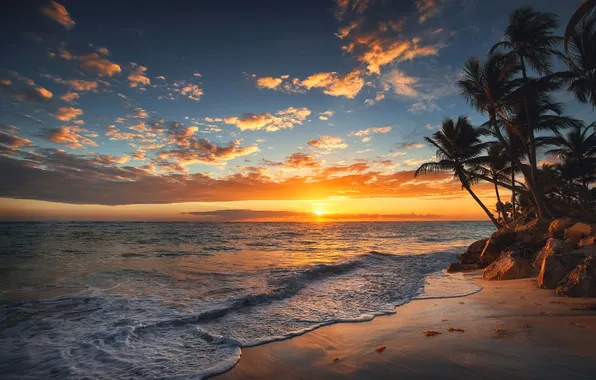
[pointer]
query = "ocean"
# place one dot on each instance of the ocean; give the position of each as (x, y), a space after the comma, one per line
(180, 300)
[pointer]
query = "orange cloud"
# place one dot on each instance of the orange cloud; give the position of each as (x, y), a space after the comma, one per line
(69, 136)
(369, 131)
(69, 97)
(192, 91)
(377, 53)
(23, 89)
(58, 13)
(332, 84)
(82, 85)
(67, 113)
(137, 77)
(401, 83)
(101, 66)
(13, 141)
(328, 143)
(426, 9)
(269, 82)
(283, 119)
(204, 152)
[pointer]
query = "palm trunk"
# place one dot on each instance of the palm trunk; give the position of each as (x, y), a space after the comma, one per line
(486, 210)
(537, 192)
(500, 204)
(513, 193)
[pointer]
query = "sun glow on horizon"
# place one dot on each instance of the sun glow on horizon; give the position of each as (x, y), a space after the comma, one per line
(318, 212)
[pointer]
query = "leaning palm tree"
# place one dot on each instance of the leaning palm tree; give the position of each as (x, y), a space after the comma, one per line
(530, 39)
(458, 147)
(581, 59)
(498, 164)
(582, 11)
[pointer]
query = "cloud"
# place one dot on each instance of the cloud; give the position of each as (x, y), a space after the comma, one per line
(345, 31)
(335, 85)
(422, 106)
(426, 9)
(326, 115)
(192, 91)
(101, 66)
(369, 131)
(269, 82)
(411, 145)
(137, 77)
(376, 52)
(283, 119)
(82, 85)
(22, 89)
(378, 97)
(58, 13)
(67, 113)
(205, 152)
(301, 160)
(140, 113)
(69, 136)
(8, 128)
(350, 6)
(328, 143)
(12, 141)
(397, 154)
(70, 97)
(401, 83)
(58, 176)
(115, 134)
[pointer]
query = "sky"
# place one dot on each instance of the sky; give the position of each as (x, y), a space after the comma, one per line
(238, 110)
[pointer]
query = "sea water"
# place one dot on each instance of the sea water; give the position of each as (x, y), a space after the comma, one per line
(181, 300)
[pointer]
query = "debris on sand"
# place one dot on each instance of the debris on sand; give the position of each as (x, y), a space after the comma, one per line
(452, 329)
(432, 332)
(335, 358)
(380, 348)
(586, 307)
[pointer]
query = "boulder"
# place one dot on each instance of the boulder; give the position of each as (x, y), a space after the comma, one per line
(498, 242)
(572, 243)
(472, 254)
(581, 281)
(552, 247)
(458, 267)
(558, 226)
(587, 242)
(508, 267)
(578, 230)
(551, 273)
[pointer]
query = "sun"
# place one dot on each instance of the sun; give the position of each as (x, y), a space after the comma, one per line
(318, 212)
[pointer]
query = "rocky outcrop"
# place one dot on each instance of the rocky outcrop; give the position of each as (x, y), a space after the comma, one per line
(587, 242)
(497, 243)
(472, 254)
(581, 281)
(556, 267)
(578, 230)
(508, 267)
(552, 247)
(558, 226)
(458, 267)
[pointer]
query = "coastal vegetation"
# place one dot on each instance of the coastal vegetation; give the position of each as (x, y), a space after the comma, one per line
(530, 147)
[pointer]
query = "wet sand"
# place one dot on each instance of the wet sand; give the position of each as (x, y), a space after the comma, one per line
(512, 330)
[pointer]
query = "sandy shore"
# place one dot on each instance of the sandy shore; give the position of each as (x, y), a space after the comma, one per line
(513, 330)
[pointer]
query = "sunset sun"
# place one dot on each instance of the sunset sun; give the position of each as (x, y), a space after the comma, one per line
(318, 212)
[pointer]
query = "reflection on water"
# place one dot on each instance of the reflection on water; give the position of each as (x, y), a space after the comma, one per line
(105, 299)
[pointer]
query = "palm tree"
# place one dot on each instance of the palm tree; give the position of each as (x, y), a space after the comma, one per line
(577, 150)
(530, 38)
(498, 164)
(582, 11)
(458, 147)
(581, 59)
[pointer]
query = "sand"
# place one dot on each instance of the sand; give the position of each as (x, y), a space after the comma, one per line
(512, 330)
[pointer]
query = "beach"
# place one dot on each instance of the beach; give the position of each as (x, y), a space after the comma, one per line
(511, 329)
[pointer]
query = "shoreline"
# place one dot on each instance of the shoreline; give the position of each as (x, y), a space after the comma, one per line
(503, 322)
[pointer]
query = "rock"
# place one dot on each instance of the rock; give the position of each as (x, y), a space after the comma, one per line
(581, 281)
(551, 273)
(587, 242)
(558, 226)
(508, 267)
(472, 254)
(499, 241)
(579, 230)
(458, 267)
(572, 243)
(552, 247)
